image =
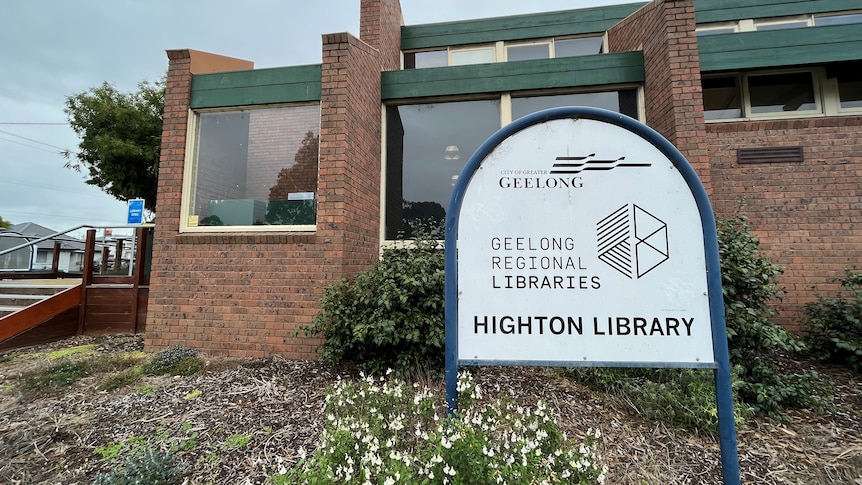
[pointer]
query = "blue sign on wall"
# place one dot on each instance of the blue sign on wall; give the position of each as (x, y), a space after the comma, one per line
(136, 211)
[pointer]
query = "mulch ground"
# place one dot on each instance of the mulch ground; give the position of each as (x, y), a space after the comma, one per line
(239, 421)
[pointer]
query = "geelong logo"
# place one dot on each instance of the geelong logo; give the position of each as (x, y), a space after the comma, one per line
(632, 241)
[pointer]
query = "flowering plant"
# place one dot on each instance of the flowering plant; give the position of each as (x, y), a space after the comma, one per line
(383, 431)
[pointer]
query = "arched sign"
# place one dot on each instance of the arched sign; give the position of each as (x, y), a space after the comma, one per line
(581, 237)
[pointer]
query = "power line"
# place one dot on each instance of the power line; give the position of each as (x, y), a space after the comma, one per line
(53, 187)
(34, 141)
(30, 123)
(31, 146)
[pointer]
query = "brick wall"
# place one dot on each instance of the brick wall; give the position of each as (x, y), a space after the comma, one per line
(808, 215)
(665, 31)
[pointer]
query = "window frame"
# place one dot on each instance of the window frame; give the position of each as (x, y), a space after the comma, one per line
(190, 179)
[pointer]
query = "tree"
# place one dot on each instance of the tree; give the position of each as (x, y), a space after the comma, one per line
(120, 138)
(4, 224)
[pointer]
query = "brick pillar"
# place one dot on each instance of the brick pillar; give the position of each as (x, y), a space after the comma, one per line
(380, 24)
(665, 31)
(171, 162)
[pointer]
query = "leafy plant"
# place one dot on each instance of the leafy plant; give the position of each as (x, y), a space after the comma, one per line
(57, 376)
(833, 326)
(177, 360)
(682, 397)
(384, 431)
(390, 316)
(749, 284)
(150, 466)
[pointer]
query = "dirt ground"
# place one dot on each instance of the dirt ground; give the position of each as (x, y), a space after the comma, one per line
(239, 421)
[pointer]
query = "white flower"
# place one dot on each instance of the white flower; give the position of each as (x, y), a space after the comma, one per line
(389, 481)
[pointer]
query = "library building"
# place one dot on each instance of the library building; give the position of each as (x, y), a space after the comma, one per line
(274, 183)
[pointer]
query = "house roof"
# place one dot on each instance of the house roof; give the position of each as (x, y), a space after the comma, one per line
(34, 231)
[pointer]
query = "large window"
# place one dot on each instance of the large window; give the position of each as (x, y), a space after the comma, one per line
(428, 144)
(427, 147)
(253, 169)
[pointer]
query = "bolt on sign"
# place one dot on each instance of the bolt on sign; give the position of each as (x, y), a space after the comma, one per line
(581, 237)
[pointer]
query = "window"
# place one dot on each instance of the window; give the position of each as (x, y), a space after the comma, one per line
(420, 60)
(624, 101)
(253, 167)
(581, 46)
(721, 98)
(472, 56)
(427, 146)
(841, 19)
(848, 77)
(781, 24)
(528, 51)
(777, 93)
(702, 31)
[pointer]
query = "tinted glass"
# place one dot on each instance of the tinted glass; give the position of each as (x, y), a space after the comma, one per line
(721, 98)
(781, 92)
(612, 100)
(584, 46)
(427, 146)
(419, 60)
(527, 52)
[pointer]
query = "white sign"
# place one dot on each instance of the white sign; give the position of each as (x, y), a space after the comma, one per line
(579, 241)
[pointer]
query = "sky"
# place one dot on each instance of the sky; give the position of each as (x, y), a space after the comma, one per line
(51, 49)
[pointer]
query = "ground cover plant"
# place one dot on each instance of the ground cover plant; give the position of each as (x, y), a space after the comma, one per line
(385, 431)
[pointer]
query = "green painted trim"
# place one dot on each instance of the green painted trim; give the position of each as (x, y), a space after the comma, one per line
(597, 70)
(707, 11)
(533, 26)
(775, 48)
(259, 86)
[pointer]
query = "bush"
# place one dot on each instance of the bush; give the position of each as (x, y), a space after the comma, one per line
(749, 283)
(150, 466)
(681, 397)
(380, 431)
(833, 326)
(390, 316)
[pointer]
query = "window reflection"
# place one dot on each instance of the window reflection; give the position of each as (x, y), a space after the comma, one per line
(781, 92)
(624, 101)
(421, 159)
(256, 167)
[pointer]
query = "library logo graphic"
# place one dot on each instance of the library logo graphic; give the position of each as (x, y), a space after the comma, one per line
(632, 241)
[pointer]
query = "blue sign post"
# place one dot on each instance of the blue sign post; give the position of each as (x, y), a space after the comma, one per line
(136, 211)
(581, 237)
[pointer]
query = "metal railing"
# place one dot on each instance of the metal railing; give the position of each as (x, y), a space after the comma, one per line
(117, 257)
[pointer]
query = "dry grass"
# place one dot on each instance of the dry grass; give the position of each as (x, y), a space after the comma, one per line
(276, 404)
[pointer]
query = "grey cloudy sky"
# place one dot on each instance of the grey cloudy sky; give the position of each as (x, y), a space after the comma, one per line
(50, 49)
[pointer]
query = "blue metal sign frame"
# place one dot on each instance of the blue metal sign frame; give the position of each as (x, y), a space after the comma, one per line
(724, 396)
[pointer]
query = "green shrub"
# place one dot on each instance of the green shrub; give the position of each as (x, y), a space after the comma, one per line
(833, 326)
(749, 284)
(384, 431)
(390, 316)
(177, 360)
(150, 466)
(681, 397)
